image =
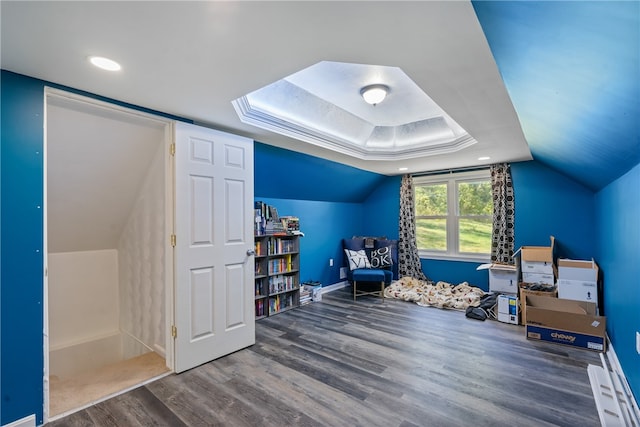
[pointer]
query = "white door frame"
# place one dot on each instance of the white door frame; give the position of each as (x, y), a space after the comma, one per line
(169, 224)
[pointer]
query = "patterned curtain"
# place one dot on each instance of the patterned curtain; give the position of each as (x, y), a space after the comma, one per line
(502, 239)
(408, 258)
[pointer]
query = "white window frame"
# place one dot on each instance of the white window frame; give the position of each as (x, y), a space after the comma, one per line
(451, 180)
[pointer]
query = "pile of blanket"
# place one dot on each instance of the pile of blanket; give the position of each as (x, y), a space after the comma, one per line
(441, 294)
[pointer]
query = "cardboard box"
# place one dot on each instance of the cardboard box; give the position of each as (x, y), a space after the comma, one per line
(543, 278)
(571, 269)
(578, 280)
(567, 322)
(508, 309)
(537, 259)
(536, 267)
(502, 277)
(523, 297)
(578, 290)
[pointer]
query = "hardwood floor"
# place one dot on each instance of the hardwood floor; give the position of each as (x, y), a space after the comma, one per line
(340, 363)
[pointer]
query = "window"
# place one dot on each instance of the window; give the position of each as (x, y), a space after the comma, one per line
(454, 215)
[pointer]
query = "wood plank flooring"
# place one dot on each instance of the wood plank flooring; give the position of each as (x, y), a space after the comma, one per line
(367, 363)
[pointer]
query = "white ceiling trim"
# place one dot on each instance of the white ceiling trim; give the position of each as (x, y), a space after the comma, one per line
(263, 119)
(322, 105)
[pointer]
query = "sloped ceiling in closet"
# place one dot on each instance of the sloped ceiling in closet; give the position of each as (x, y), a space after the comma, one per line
(97, 162)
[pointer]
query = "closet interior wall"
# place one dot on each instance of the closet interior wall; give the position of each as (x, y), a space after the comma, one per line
(106, 237)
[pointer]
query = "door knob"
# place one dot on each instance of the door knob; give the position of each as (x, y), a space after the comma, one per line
(251, 252)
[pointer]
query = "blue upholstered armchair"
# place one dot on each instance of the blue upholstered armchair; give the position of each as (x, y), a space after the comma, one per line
(372, 264)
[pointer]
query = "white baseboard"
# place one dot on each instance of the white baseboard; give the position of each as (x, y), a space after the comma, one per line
(29, 421)
(613, 396)
(334, 287)
(617, 369)
(160, 350)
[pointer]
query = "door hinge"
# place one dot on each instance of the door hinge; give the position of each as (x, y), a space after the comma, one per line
(173, 240)
(174, 331)
(172, 149)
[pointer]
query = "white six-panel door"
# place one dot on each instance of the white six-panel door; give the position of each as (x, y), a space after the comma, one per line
(214, 303)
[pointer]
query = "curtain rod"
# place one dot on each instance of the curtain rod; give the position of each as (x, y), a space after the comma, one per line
(450, 171)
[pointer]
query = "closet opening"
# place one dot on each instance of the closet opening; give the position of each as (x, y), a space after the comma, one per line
(108, 259)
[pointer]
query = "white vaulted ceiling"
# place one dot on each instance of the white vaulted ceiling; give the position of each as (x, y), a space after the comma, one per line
(556, 80)
(192, 59)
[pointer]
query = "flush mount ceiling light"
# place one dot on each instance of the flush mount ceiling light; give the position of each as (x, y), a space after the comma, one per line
(374, 94)
(320, 105)
(484, 158)
(105, 63)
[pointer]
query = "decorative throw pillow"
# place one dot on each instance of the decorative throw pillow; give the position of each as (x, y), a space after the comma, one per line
(381, 257)
(357, 259)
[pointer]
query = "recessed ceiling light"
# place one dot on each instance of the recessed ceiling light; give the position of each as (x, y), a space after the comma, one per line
(484, 158)
(403, 169)
(105, 63)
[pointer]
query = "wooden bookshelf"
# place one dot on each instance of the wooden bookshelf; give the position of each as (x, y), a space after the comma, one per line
(277, 274)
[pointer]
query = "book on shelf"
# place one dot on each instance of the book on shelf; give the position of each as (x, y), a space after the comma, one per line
(260, 308)
(267, 221)
(260, 290)
(281, 283)
(279, 245)
(277, 280)
(280, 265)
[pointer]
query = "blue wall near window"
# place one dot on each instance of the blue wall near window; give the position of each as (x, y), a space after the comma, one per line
(548, 203)
(455, 272)
(618, 216)
(381, 209)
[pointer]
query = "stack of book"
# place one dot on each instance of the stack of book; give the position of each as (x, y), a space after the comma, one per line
(265, 217)
(305, 295)
(290, 223)
(267, 221)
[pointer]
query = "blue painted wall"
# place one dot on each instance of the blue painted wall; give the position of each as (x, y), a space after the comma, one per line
(286, 174)
(324, 224)
(455, 272)
(575, 88)
(381, 209)
(548, 203)
(333, 201)
(618, 218)
(21, 298)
